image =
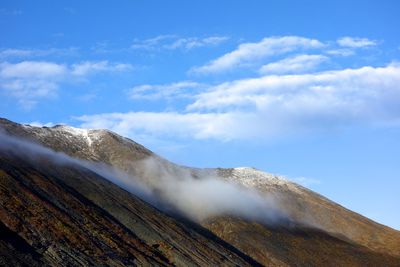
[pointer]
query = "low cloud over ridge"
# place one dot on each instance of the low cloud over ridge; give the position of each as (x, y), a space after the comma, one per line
(165, 186)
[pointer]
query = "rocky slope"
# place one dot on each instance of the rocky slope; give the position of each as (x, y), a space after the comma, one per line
(58, 213)
(320, 232)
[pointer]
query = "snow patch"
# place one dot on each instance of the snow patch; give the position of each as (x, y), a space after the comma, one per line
(254, 178)
(86, 134)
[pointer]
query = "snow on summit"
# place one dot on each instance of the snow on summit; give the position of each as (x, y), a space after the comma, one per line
(88, 136)
(84, 133)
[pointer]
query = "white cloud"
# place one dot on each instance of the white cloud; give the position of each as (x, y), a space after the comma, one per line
(172, 42)
(29, 81)
(44, 69)
(27, 92)
(28, 69)
(272, 106)
(355, 42)
(248, 52)
(165, 91)
(166, 124)
(30, 89)
(295, 64)
(347, 87)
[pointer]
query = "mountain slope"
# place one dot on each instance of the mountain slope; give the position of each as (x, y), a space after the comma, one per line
(306, 206)
(320, 232)
(63, 214)
(297, 245)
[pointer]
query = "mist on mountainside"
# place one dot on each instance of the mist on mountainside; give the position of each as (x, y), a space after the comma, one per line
(174, 190)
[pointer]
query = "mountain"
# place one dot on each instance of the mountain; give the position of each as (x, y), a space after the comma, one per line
(48, 207)
(56, 212)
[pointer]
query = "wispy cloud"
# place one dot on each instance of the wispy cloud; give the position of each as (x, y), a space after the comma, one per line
(172, 42)
(295, 64)
(355, 42)
(345, 52)
(27, 92)
(167, 187)
(151, 43)
(36, 69)
(35, 53)
(190, 43)
(88, 67)
(165, 91)
(248, 52)
(15, 53)
(29, 81)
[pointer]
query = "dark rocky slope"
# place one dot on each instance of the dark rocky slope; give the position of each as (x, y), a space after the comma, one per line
(295, 245)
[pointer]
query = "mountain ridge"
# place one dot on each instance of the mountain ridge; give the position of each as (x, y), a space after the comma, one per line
(377, 241)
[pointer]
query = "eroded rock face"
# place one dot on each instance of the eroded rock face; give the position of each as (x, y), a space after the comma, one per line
(320, 232)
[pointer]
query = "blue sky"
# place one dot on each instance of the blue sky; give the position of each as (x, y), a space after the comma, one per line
(306, 89)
